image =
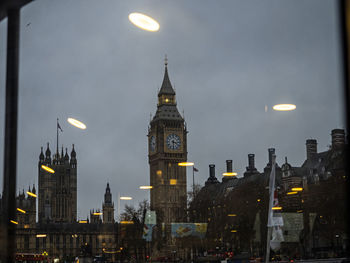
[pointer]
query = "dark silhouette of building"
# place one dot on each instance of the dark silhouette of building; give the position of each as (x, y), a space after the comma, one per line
(57, 197)
(167, 139)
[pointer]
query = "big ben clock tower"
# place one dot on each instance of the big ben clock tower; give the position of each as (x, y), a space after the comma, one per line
(167, 146)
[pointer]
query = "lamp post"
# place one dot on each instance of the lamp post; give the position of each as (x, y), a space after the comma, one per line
(193, 169)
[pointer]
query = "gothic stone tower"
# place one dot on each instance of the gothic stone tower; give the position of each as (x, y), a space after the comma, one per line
(58, 191)
(108, 207)
(167, 147)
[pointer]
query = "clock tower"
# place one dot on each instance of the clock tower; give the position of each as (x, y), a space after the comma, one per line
(167, 146)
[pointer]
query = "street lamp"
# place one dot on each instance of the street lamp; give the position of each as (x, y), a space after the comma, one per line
(185, 164)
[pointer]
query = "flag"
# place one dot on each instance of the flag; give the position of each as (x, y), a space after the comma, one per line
(59, 127)
(195, 169)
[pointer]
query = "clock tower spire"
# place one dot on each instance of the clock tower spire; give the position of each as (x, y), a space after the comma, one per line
(167, 137)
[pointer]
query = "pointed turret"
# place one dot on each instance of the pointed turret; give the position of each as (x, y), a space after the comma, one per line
(166, 88)
(73, 155)
(108, 195)
(167, 100)
(41, 156)
(66, 156)
(48, 154)
(33, 189)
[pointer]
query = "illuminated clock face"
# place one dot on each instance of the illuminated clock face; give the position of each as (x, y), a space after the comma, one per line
(173, 141)
(152, 143)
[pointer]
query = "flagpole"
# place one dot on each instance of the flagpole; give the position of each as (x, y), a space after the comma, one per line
(57, 139)
(193, 181)
(270, 212)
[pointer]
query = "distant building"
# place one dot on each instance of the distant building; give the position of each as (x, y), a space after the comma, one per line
(315, 226)
(58, 234)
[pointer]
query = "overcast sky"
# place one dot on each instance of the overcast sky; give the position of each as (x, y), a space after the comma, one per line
(227, 61)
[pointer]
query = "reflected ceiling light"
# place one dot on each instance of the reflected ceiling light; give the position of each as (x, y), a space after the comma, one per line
(292, 193)
(297, 189)
(258, 200)
(231, 215)
(97, 214)
(41, 235)
(173, 181)
(185, 164)
(229, 174)
(48, 169)
(233, 231)
(277, 208)
(31, 194)
(284, 107)
(14, 222)
(127, 222)
(21, 210)
(146, 187)
(144, 22)
(299, 211)
(77, 123)
(83, 221)
(125, 198)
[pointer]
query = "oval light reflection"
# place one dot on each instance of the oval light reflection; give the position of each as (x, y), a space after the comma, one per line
(77, 123)
(144, 22)
(284, 107)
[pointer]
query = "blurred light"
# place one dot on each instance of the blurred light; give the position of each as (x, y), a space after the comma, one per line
(159, 172)
(231, 215)
(292, 193)
(233, 231)
(297, 189)
(26, 226)
(299, 211)
(186, 164)
(277, 208)
(83, 221)
(173, 181)
(48, 169)
(284, 107)
(229, 174)
(31, 194)
(14, 222)
(21, 210)
(146, 187)
(97, 213)
(125, 222)
(258, 200)
(144, 22)
(77, 123)
(125, 198)
(41, 235)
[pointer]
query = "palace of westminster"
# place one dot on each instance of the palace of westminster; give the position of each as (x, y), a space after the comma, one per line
(58, 233)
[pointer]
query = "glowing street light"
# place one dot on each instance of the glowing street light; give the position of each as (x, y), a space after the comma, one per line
(76, 123)
(284, 107)
(297, 189)
(144, 22)
(41, 235)
(292, 193)
(83, 222)
(47, 169)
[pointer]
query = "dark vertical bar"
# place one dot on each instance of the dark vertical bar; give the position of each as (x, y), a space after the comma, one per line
(344, 24)
(10, 151)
